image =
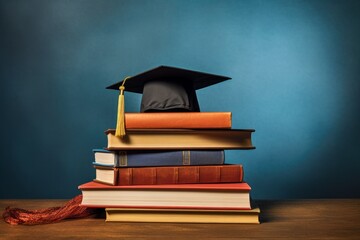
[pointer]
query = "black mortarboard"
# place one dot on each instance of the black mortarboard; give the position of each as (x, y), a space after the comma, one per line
(165, 89)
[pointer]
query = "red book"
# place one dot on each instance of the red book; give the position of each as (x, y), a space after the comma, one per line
(170, 175)
(175, 120)
(183, 196)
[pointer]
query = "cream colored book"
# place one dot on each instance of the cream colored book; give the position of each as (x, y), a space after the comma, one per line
(158, 139)
(170, 196)
(182, 215)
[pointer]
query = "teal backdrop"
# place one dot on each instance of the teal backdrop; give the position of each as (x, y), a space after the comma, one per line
(295, 69)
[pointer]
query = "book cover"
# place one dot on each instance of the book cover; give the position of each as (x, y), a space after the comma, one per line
(170, 175)
(182, 215)
(175, 139)
(184, 196)
(173, 120)
(158, 158)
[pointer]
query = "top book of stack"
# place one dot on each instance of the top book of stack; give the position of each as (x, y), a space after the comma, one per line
(174, 120)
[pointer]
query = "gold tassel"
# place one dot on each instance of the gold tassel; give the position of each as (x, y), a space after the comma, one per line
(120, 124)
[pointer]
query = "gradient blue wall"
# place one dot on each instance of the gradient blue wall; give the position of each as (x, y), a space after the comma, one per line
(294, 64)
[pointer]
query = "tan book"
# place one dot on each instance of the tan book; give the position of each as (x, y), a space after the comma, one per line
(158, 139)
(182, 215)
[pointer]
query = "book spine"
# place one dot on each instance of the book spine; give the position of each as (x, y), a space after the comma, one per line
(167, 158)
(180, 175)
(178, 120)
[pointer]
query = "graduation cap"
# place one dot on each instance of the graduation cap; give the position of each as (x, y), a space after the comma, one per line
(164, 89)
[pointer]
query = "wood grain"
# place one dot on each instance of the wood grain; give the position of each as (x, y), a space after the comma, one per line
(291, 219)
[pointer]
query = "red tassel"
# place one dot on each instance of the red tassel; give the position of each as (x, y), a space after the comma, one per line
(71, 209)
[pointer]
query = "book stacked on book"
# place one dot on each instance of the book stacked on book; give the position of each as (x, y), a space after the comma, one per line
(170, 167)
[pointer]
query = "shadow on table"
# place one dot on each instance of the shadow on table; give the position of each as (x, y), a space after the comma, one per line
(267, 208)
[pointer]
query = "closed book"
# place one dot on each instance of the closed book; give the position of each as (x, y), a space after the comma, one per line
(179, 196)
(170, 175)
(182, 215)
(175, 139)
(160, 120)
(157, 158)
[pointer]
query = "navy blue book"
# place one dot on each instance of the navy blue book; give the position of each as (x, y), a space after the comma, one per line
(157, 158)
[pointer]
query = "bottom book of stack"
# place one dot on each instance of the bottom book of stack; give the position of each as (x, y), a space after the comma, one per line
(190, 203)
(182, 215)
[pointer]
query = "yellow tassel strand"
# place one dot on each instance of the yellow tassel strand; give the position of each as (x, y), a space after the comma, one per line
(120, 124)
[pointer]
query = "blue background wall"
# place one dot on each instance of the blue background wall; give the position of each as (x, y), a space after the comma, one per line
(294, 64)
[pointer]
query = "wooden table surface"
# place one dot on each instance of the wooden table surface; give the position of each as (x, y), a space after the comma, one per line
(285, 219)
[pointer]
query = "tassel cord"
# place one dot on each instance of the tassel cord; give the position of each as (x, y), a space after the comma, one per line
(18, 216)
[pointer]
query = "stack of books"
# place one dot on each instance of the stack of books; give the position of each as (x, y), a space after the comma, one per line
(170, 167)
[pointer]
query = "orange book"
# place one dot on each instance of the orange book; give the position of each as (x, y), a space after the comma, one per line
(170, 175)
(178, 120)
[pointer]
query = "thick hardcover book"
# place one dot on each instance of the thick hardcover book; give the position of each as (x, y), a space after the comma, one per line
(157, 158)
(175, 139)
(178, 120)
(182, 215)
(183, 196)
(170, 175)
